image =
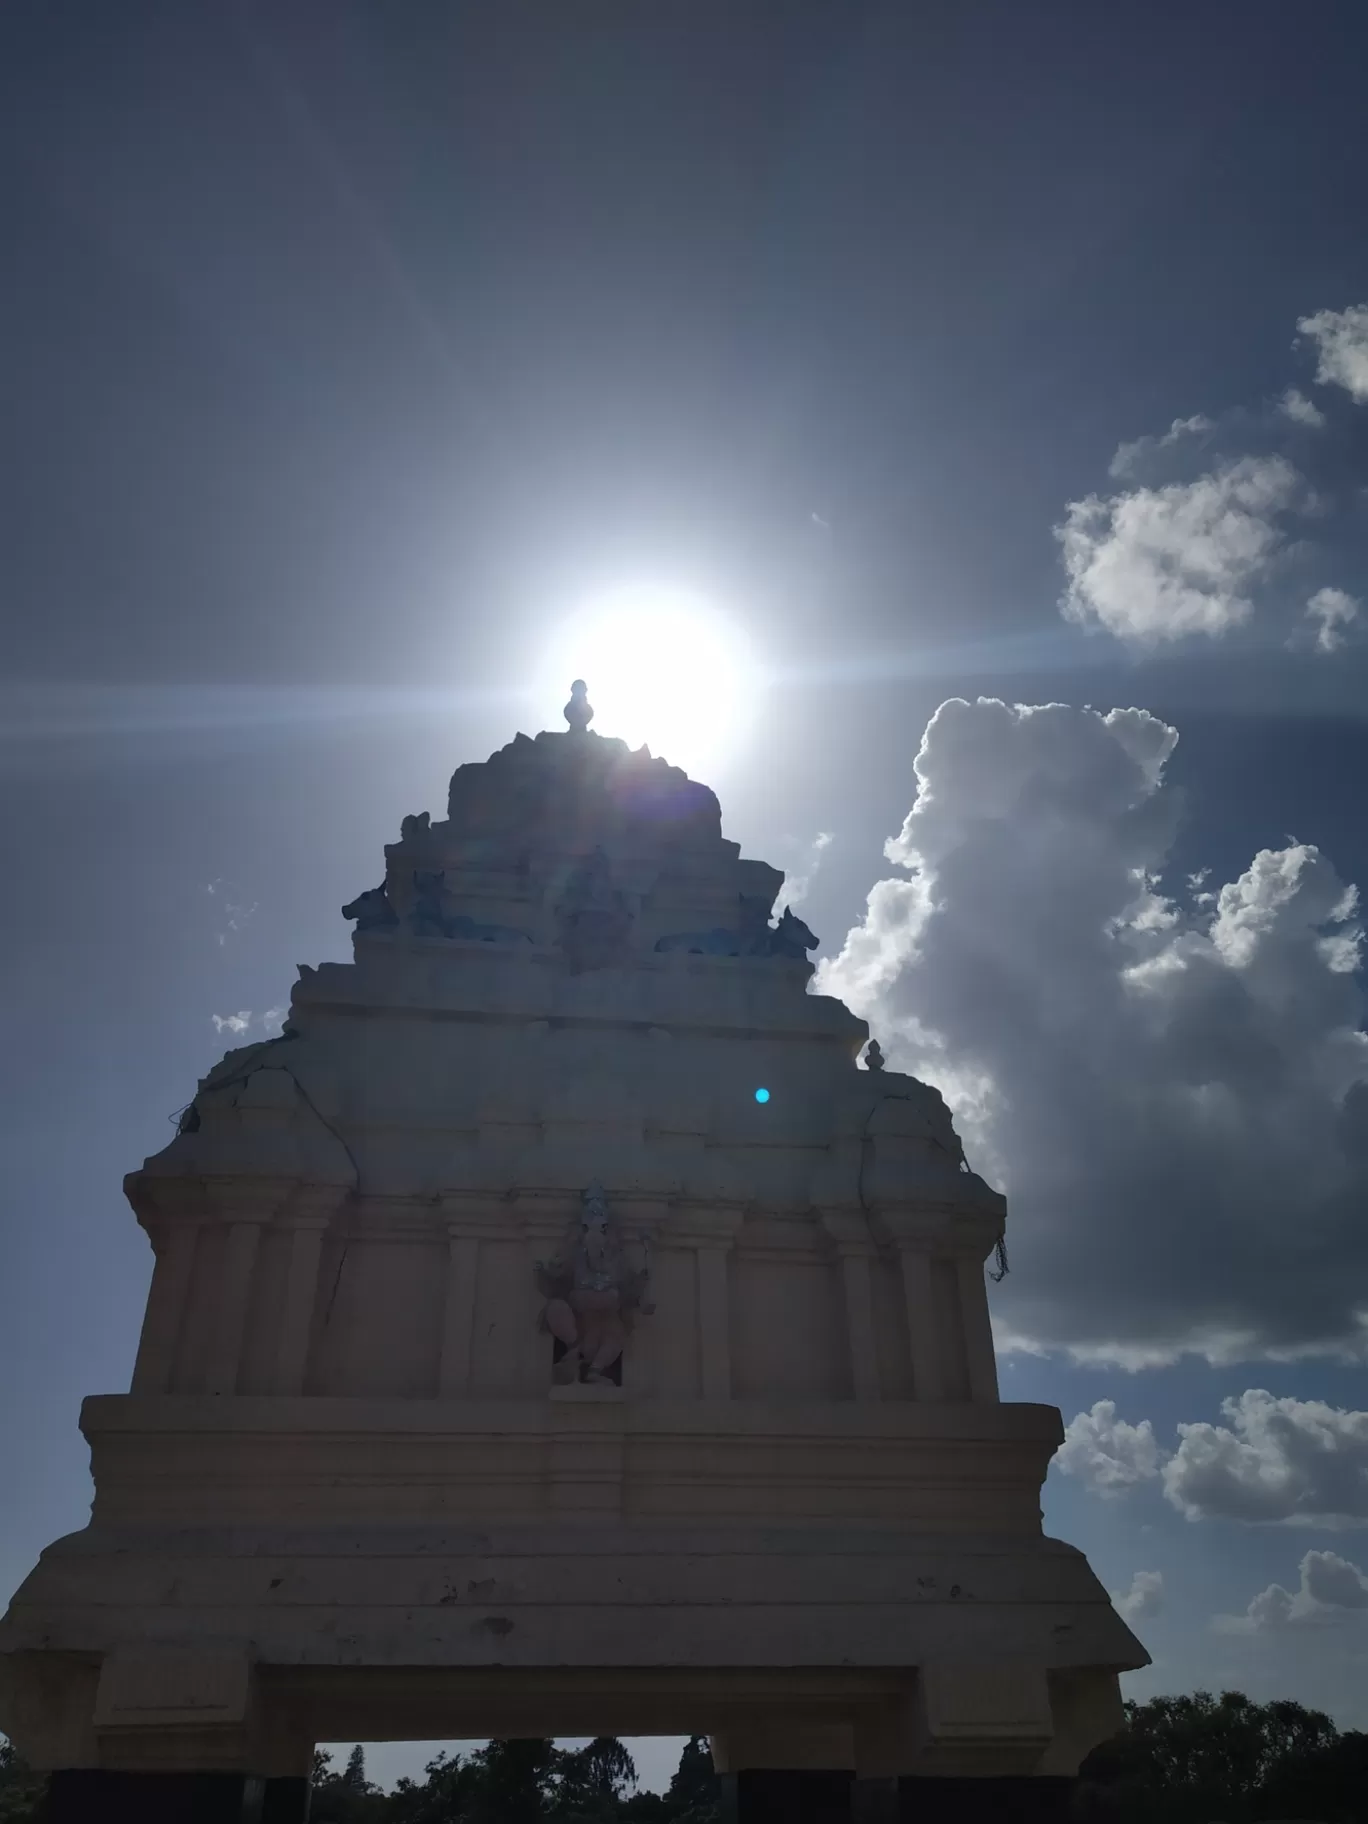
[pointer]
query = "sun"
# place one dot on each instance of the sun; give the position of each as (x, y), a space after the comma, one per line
(664, 668)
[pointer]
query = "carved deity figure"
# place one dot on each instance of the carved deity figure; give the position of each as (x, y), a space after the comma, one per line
(591, 1293)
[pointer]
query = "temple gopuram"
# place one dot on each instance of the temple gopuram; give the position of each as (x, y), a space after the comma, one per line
(567, 1326)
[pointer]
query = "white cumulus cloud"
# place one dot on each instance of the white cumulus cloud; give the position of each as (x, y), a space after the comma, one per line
(798, 881)
(239, 1022)
(1173, 1095)
(1300, 409)
(236, 1023)
(1341, 339)
(1334, 612)
(1131, 456)
(1297, 1461)
(1105, 1453)
(1145, 1597)
(1330, 1589)
(1162, 563)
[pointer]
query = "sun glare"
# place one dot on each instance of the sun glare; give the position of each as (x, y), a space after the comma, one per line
(662, 668)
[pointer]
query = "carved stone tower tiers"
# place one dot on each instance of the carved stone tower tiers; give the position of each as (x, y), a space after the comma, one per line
(558, 1331)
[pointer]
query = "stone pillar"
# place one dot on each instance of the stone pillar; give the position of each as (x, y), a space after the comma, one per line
(178, 1735)
(855, 1248)
(786, 1795)
(166, 1301)
(978, 1331)
(783, 1768)
(96, 1795)
(301, 1290)
(991, 1799)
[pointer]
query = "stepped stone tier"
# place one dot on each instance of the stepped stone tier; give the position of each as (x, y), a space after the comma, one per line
(515, 1364)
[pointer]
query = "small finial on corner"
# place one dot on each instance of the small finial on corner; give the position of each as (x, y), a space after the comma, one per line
(579, 711)
(874, 1058)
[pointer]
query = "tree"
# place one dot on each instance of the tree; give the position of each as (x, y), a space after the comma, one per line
(347, 1797)
(1329, 1782)
(1194, 1758)
(694, 1782)
(593, 1781)
(21, 1790)
(694, 1797)
(516, 1780)
(446, 1796)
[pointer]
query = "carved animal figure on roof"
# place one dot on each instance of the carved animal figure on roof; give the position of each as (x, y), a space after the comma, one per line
(372, 910)
(791, 937)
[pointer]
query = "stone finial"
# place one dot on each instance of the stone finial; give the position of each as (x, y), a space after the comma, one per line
(874, 1058)
(579, 711)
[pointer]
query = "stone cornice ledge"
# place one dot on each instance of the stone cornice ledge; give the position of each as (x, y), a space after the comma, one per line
(1009, 1422)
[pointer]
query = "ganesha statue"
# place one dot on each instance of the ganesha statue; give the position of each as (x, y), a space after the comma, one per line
(592, 1292)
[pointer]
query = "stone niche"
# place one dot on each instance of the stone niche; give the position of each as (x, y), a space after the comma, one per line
(509, 1366)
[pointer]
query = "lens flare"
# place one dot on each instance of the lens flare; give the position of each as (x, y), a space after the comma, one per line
(664, 668)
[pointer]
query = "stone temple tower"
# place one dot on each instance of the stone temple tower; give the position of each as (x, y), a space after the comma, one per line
(561, 1330)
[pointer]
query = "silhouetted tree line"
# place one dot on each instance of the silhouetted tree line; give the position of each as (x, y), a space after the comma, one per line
(1200, 1759)
(1183, 1760)
(521, 1781)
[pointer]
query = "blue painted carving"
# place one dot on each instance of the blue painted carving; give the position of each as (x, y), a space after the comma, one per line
(372, 910)
(755, 937)
(428, 920)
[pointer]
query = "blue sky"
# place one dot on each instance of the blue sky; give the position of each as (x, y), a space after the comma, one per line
(952, 352)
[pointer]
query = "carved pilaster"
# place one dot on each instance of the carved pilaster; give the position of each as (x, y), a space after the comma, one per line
(247, 1206)
(166, 1302)
(855, 1247)
(306, 1227)
(913, 1236)
(712, 1234)
(923, 1331)
(978, 1330)
(458, 1320)
(471, 1220)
